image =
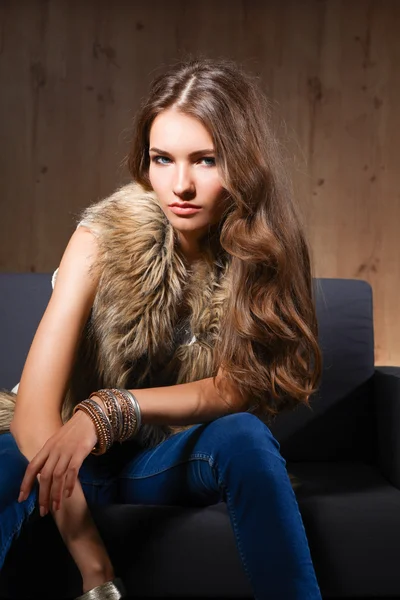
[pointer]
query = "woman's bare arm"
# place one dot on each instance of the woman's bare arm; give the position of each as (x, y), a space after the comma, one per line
(49, 362)
(189, 403)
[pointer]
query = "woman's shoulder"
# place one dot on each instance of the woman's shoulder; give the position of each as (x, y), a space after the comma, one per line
(55, 273)
(129, 205)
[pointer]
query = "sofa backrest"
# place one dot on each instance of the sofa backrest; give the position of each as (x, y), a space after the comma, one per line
(339, 425)
(23, 299)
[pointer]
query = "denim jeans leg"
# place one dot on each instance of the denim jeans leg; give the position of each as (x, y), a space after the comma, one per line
(98, 475)
(13, 514)
(235, 459)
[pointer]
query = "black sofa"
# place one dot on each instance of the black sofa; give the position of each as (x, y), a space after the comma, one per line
(345, 452)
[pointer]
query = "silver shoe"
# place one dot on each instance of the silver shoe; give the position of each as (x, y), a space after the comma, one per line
(111, 590)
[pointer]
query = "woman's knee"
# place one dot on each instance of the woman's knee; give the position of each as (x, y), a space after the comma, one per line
(244, 428)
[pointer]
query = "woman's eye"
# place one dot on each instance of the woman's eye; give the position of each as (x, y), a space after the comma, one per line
(159, 159)
(211, 159)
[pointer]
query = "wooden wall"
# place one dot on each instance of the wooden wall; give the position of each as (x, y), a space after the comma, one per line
(73, 71)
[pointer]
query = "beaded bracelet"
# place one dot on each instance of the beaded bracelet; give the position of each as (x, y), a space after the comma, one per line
(101, 440)
(113, 409)
(114, 401)
(130, 417)
(104, 419)
(136, 407)
(103, 427)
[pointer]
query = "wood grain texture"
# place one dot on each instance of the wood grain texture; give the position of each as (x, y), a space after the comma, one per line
(73, 73)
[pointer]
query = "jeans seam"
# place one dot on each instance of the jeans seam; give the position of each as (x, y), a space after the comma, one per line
(95, 482)
(221, 484)
(175, 464)
(239, 543)
(206, 458)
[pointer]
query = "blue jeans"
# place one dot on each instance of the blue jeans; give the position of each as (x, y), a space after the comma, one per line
(234, 459)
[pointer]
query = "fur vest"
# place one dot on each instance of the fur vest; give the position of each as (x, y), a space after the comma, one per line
(132, 336)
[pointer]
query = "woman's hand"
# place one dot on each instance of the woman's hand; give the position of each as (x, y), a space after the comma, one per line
(59, 461)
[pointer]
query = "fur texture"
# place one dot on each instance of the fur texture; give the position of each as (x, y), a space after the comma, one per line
(130, 337)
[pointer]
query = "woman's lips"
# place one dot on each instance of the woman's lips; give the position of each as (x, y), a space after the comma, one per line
(184, 211)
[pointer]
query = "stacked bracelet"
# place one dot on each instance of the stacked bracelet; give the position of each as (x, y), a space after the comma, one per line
(132, 413)
(114, 411)
(126, 416)
(136, 407)
(103, 427)
(120, 421)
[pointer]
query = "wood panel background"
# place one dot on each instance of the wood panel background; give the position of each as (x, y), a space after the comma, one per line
(73, 72)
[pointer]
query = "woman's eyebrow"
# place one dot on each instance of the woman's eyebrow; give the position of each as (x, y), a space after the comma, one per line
(195, 153)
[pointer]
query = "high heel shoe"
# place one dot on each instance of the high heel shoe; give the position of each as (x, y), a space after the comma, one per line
(111, 590)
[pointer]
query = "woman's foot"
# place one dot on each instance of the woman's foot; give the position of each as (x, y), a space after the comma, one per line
(110, 590)
(95, 580)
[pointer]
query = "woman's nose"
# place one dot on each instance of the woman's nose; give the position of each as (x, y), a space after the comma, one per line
(183, 182)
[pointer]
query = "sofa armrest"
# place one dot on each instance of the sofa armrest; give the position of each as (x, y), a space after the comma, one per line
(386, 383)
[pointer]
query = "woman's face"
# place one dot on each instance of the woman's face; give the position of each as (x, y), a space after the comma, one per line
(183, 169)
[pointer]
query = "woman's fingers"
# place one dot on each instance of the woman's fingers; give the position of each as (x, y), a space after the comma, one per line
(46, 479)
(65, 474)
(32, 470)
(60, 472)
(72, 476)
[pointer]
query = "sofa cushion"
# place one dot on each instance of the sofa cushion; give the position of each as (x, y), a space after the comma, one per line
(352, 517)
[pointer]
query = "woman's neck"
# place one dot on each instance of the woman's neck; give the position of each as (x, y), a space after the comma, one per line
(195, 249)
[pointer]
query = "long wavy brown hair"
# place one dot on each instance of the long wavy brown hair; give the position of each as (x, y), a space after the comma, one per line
(269, 342)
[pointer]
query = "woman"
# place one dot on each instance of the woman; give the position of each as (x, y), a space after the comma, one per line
(191, 288)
